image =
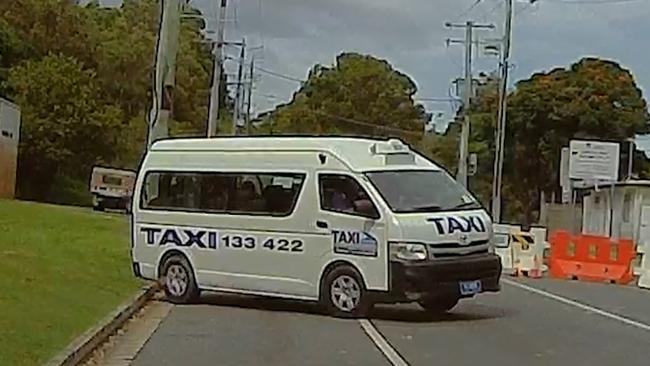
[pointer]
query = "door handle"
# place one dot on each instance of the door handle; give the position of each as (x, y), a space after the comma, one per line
(322, 224)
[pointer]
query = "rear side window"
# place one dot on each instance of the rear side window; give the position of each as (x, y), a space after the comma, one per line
(108, 179)
(271, 194)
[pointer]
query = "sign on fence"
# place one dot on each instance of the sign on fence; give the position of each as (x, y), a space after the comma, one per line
(594, 161)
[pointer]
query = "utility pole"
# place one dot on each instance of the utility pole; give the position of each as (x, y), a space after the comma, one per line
(630, 158)
(502, 116)
(251, 76)
(461, 176)
(213, 111)
(237, 110)
(164, 78)
(463, 146)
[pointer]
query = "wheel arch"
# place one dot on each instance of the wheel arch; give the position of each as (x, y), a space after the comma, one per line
(329, 267)
(170, 253)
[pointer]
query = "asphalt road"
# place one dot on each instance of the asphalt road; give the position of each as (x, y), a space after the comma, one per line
(531, 322)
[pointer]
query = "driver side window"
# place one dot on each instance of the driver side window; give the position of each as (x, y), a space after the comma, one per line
(343, 194)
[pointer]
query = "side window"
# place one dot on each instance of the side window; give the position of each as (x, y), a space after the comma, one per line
(171, 191)
(343, 194)
(229, 193)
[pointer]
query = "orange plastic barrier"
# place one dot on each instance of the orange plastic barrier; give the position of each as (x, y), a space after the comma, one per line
(591, 258)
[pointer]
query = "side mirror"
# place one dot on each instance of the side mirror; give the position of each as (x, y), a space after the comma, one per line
(366, 208)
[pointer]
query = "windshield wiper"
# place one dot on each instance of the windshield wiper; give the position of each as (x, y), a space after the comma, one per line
(423, 208)
(466, 204)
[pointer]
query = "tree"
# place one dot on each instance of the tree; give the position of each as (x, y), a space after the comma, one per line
(65, 126)
(193, 79)
(52, 26)
(82, 76)
(359, 95)
(593, 98)
(13, 49)
(124, 53)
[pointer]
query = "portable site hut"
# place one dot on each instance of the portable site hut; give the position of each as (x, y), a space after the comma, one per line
(618, 210)
(9, 138)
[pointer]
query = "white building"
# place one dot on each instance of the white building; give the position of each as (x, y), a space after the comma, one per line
(9, 138)
(621, 210)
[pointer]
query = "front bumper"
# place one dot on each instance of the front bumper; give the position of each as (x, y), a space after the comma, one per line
(440, 278)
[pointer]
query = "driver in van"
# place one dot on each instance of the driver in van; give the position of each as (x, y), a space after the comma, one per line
(339, 199)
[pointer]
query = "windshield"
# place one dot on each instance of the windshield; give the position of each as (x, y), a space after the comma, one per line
(421, 191)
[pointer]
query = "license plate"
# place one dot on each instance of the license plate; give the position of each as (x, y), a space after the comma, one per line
(470, 287)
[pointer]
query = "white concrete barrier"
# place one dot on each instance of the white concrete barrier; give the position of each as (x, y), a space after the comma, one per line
(543, 245)
(521, 252)
(643, 270)
(502, 235)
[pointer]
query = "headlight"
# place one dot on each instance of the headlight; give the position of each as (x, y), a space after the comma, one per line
(407, 252)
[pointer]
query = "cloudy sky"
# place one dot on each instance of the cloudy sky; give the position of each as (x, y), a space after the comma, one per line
(296, 34)
(410, 34)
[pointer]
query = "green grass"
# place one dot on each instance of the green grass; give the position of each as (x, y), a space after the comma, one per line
(62, 269)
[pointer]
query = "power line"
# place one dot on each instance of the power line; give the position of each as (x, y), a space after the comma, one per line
(368, 124)
(353, 121)
(291, 78)
(279, 75)
(525, 9)
(468, 10)
(491, 11)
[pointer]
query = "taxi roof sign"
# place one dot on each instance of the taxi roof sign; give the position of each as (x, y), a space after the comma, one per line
(392, 146)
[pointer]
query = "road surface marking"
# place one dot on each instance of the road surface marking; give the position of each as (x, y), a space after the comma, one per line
(381, 343)
(579, 305)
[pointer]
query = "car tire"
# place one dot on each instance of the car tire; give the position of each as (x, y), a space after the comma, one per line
(438, 305)
(178, 280)
(344, 294)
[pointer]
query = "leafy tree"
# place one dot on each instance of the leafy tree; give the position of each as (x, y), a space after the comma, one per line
(593, 98)
(124, 53)
(52, 26)
(359, 95)
(13, 49)
(443, 148)
(193, 80)
(65, 127)
(82, 76)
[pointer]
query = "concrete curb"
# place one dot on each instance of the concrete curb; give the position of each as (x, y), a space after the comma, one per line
(85, 344)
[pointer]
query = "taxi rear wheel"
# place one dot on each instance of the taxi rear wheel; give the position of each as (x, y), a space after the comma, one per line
(439, 305)
(178, 280)
(344, 294)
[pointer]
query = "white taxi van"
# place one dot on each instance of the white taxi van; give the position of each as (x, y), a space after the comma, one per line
(347, 222)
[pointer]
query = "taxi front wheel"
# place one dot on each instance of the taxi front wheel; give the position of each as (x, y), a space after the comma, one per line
(344, 293)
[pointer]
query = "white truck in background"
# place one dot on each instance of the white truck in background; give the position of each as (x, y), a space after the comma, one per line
(112, 188)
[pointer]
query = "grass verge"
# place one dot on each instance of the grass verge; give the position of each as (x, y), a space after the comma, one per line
(62, 269)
